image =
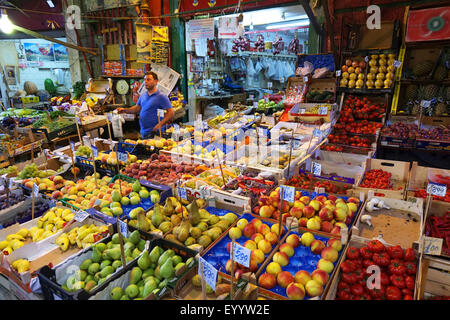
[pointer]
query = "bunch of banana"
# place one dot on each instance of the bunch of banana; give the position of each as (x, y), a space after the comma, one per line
(14, 241)
(83, 236)
(21, 265)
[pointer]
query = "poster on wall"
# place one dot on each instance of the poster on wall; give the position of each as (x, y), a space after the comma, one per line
(143, 42)
(428, 24)
(228, 28)
(60, 52)
(10, 75)
(200, 29)
(39, 52)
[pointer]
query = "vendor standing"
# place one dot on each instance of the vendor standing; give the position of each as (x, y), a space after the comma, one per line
(147, 106)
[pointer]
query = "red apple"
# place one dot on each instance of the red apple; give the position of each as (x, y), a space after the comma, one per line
(336, 231)
(326, 226)
(325, 214)
(249, 230)
(308, 211)
(302, 222)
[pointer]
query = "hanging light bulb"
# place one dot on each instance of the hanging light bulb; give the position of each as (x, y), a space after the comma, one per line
(5, 24)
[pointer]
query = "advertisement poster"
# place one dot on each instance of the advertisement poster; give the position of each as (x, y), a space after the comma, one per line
(39, 52)
(228, 28)
(200, 29)
(60, 52)
(144, 41)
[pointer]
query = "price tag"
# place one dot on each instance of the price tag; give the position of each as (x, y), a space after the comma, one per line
(182, 193)
(109, 116)
(251, 97)
(122, 156)
(288, 193)
(241, 255)
(296, 143)
(80, 216)
(209, 272)
(317, 133)
(437, 189)
(338, 73)
(10, 184)
(316, 168)
(160, 113)
(366, 59)
(432, 246)
(397, 64)
(255, 104)
(269, 85)
(123, 228)
(199, 118)
(302, 111)
(72, 146)
(35, 190)
(94, 151)
(323, 110)
(176, 127)
(425, 103)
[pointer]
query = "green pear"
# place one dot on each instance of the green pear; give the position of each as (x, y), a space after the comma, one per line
(167, 271)
(135, 275)
(141, 245)
(148, 273)
(144, 261)
(125, 297)
(94, 268)
(96, 255)
(163, 283)
(136, 252)
(115, 239)
(157, 216)
(100, 247)
(105, 263)
(132, 291)
(176, 259)
(135, 237)
(149, 286)
(113, 254)
(129, 245)
(106, 271)
(136, 187)
(116, 293)
(85, 264)
(116, 264)
(154, 254)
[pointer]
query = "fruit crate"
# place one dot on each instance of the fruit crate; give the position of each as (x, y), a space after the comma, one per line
(434, 123)
(59, 133)
(424, 59)
(14, 214)
(399, 178)
(181, 275)
(442, 210)
(358, 243)
(52, 279)
(347, 155)
(296, 114)
(334, 171)
(302, 259)
(419, 178)
(434, 278)
(401, 224)
(389, 140)
(321, 86)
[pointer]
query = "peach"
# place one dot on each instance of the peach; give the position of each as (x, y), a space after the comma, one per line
(329, 202)
(325, 214)
(287, 249)
(302, 222)
(242, 223)
(320, 276)
(330, 254)
(249, 230)
(315, 204)
(273, 268)
(265, 211)
(275, 228)
(257, 237)
(332, 198)
(321, 198)
(228, 266)
(340, 214)
(250, 244)
(335, 243)
(253, 266)
(284, 278)
(313, 288)
(353, 207)
(307, 238)
(353, 200)
(336, 231)
(304, 199)
(302, 277)
(341, 225)
(256, 223)
(296, 212)
(325, 265)
(235, 233)
(263, 229)
(257, 255)
(326, 226)
(267, 281)
(295, 291)
(317, 246)
(271, 237)
(293, 240)
(313, 224)
(281, 258)
(298, 204)
(308, 211)
(264, 246)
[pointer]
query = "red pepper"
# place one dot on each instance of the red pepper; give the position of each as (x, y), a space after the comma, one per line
(376, 246)
(357, 289)
(381, 259)
(365, 253)
(353, 253)
(395, 252)
(410, 268)
(350, 278)
(396, 267)
(393, 293)
(410, 283)
(348, 266)
(410, 254)
(397, 281)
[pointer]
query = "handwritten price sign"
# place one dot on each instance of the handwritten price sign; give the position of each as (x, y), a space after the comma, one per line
(209, 272)
(241, 254)
(316, 168)
(72, 146)
(323, 110)
(317, 133)
(122, 156)
(80, 216)
(94, 151)
(432, 246)
(35, 190)
(182, 193)
(437, 189)
(123, 228)
(288, 193)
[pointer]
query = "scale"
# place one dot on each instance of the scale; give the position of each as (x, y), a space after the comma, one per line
(122, 88)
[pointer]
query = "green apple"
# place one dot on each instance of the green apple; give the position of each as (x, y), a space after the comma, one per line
(117, 211)
(125, 201)
(135, 200)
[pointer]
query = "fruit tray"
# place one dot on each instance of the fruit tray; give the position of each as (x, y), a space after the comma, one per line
(56, 133)
(317, 60)
(302, 259)
(122, 279)
(19, 214)
(217, 254)
(51, 279)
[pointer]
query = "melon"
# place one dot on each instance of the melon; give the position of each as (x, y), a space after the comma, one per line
(30, 87)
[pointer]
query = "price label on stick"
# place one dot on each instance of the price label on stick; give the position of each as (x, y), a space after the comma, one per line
(397, 64)
(269, 85)
(296, 143)
(317, 133)
(94, 151)
(305, 79)
(209, 272)
(255, 104)
(122, 156)
(35, 190)
(432, 246)
(437, 189)
(182, 193)
(302, 111)
(72, 146)
(10, 184)
(123, 228)
(288, 193)
(338, 73)
(241, 254)
(266, 100)
(160, 113)
(316, 168)
(323, 110)
(78, 120)
(80, 216)
(109, 116)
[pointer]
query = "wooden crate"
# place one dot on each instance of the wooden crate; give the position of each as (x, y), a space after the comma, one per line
(435, 278)
(402, 224)
(438, 209)
(418, 179)
(400, 175)
(358, 243)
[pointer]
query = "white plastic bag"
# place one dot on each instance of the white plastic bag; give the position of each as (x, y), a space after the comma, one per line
(258, 67)
(250, 72)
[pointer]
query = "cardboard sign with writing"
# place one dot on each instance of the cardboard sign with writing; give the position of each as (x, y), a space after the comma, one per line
(209, 272)
(241, 254)
(432, 246)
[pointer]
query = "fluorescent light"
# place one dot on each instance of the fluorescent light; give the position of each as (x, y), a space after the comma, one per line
(288, 24)
(5, 24)
(50, 3)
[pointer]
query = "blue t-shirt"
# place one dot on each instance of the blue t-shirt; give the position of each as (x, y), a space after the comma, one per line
(148, 117)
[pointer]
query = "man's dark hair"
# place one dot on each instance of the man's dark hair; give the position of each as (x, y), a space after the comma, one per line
(151, 73)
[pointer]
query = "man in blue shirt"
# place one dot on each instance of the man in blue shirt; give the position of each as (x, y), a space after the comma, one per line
(147, 106)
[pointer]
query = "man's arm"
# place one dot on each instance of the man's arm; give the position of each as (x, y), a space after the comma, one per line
(167, 117)
(132, 110)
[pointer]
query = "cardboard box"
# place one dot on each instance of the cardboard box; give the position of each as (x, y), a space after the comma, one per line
(130, 52)
(113, 52)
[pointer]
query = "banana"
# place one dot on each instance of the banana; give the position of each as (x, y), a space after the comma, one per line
(16, 244)
(21, 265)
(72, 238)
(23, 232)
(63, 242)
(83, 233)
(4, 244)
(88, 239)
(14, 236)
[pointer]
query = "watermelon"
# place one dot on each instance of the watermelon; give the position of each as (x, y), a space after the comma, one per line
(50, 86)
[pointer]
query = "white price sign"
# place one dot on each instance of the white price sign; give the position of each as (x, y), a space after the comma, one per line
(316, 168)
(122, 156)
(432, 246)
(160, 113)
(425, 103)
(109, 117)
(123, 228)
(94, 151)
(397, 64)
(199, 118)
(241, 254)
(305, 79)
(366, 59)
(437, 189)
(182, 193)
(176, 128)
(266, 100)
(317, 133)
(72, 146)
(323, 110)
(10, 183)
(288, 193)
(338, 73)
(296, 143)
(35, 190)
(80, 216)
(208, 271)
